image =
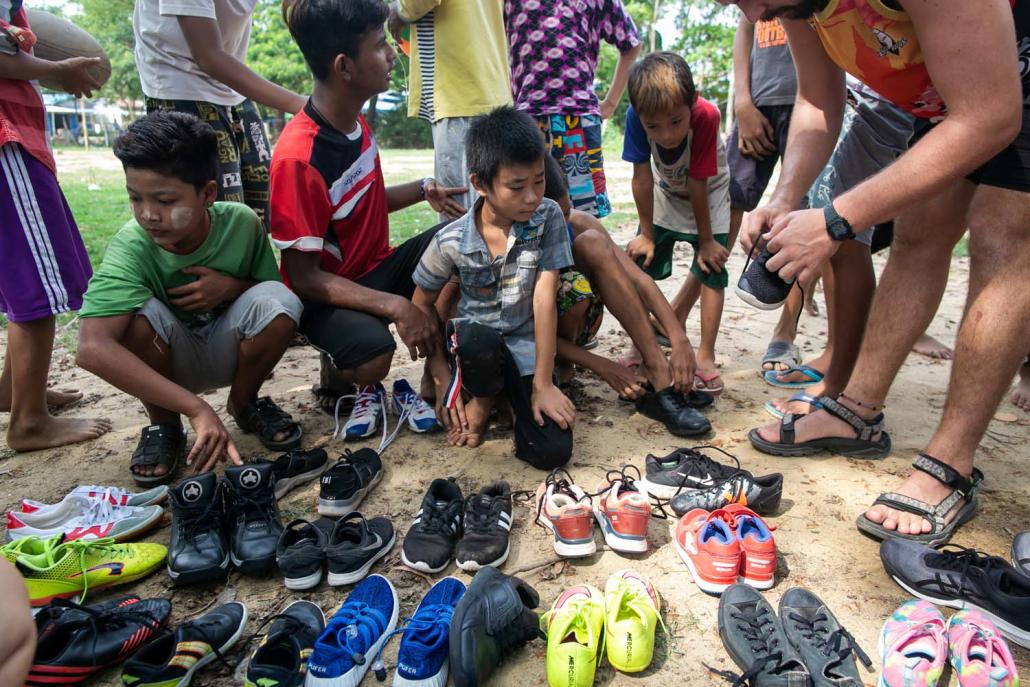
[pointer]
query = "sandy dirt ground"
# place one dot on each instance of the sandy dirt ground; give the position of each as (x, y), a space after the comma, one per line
(819, 547)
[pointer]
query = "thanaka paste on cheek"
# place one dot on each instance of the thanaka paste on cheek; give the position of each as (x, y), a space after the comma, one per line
(181, 217)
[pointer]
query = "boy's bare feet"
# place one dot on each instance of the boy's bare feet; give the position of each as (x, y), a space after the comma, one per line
(822, 363)
(707, 376)
(477, 411)
(1021, 394)
(932, 348)
(56, 399)
(50, 432)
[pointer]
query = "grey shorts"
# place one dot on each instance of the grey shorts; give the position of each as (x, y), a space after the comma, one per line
(450, 166)
(873, 135)
(204, 358)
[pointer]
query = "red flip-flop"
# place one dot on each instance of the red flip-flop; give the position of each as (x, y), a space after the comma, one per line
(701, 381)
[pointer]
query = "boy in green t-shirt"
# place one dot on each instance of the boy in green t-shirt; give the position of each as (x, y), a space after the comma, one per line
(187, 299)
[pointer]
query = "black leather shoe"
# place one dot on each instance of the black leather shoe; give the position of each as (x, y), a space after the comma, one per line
(253, 517)
(493, 619)
(672, 408)
(198, 550)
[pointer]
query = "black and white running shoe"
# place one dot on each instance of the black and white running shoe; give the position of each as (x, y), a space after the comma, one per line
(348, 481)
(963, 578)
(355, 545)
(430, 540)
(295, 467)
(487, 528)
(300, 554)
(684, 468)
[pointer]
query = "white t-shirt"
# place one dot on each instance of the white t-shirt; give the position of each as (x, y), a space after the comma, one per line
(167, 70)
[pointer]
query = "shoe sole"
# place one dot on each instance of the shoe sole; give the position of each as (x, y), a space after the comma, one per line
(1013, 633)
(212, 656)
(757, 584)
(423, 567)
(473, 566)
(120, 538)
(703, 584)
(438, 680)
(838, 446)
(569, 550)
(616, 542)
(43, 601)
(285, 486)
(337, 509)
(754, 302)
(340, 579)
(213, 573)
(354, 676)
(300, 584)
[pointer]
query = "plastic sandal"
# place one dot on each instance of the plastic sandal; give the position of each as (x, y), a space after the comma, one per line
(801, 396)
(861, 445)
(773, 377)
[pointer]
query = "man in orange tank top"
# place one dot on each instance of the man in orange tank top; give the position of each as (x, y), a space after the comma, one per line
(968, 165)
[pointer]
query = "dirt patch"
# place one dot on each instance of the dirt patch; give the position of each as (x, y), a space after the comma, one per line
(818, 543)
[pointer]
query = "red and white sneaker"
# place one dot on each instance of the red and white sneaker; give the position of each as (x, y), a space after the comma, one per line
(564, 508)
(115, 495)
(757, 546)
(80, 518)
(710, 548)
(623, 511)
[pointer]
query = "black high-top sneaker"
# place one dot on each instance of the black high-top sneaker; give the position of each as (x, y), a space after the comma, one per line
(198, 550)
(253, 517)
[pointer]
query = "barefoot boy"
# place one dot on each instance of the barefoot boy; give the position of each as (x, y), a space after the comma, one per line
(188, 299)
(681, 189)
(507, 252)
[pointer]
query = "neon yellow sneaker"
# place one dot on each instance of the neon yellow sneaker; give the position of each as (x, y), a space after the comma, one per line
(29, 546)
(575, 632)
(632, 612)
(72, 568)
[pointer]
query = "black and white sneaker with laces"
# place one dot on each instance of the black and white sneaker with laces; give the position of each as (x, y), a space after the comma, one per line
(300, 554)
(348, 481)
(826, 648)
(430, 540)
(295, 467)
(198, 550)
(281, 660)
(355, 545)
(684, 468)
(253, 517)
(487, 528)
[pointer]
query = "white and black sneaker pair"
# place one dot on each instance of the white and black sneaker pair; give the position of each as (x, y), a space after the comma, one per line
(475, 532)
(348, 481)
(349, 548)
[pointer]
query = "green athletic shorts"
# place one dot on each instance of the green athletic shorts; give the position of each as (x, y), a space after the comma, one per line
(661, 266)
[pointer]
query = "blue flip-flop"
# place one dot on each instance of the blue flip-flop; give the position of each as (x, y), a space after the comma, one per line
(814, 377)
(799, 396)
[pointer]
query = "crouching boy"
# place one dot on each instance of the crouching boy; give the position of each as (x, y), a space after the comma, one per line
(187, 299)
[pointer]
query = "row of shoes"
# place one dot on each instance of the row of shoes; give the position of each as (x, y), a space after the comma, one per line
(457, 632)
(474, 531)
(347, 548)
(726, 546)
(583, 622)
(57, 569)
(916, 644)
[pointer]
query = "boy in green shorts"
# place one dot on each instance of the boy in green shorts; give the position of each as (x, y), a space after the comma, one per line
(681, 190)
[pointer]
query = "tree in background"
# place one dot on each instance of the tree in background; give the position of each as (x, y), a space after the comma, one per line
(706, 42)
(110, 22)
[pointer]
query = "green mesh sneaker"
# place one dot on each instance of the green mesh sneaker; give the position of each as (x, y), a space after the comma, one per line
(575, 633)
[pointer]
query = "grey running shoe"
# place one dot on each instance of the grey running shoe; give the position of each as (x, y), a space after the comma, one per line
(1021, 552)
(754, 639)
(827, 649)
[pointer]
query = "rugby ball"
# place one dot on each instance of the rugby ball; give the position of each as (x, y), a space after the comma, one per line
(59, 39)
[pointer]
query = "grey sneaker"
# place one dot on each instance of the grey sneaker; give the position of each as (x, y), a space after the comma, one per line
(827, 649)
(754, 639)
(1021, 552)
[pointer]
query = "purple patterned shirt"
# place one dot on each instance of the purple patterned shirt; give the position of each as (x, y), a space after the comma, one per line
(553, 46)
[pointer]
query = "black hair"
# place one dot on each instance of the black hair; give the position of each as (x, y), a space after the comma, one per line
(324, 29)
(174, 144)
(556, 185)
(505, 136)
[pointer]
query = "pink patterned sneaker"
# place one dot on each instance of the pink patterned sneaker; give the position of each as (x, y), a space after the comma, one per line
(979, 655)
(913, 646)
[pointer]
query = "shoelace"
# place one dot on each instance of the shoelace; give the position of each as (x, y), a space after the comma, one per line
(700, 467)
(829, 643)
(441, 520)
(254, 507)
(113, 495)
(559, 481)
(293, 625)
(631, 597)
(961, 560)
(100, 511)
(580, 622)
(759, 630)
(426, 620)
(747, 263)
(111, 617)
(623, 477)
(482, 513)
(362, 403)
(190, 523)
(358, 618)
(83, 547)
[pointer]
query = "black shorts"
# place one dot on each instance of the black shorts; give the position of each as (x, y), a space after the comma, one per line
(750, 176)
(351, 337)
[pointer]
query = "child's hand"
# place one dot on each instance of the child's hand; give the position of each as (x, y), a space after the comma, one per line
(683, 364)
(439, 198)
(624, 381)
(210, 290)
(213, 441)
(74, 76)
(754, 133)
(642, 247)
(711, 256)
(549, 401)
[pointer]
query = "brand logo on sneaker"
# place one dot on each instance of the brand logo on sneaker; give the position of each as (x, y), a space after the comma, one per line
(572, 670)
(250, 478)
(112, 568)
(191, 491)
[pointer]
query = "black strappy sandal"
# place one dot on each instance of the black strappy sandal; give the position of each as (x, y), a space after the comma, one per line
(162, 444)
(861, 445)
(940, 531)
(264, 418)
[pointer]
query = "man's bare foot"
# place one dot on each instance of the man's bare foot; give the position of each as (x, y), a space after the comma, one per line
(820, 364)
(56, 399)
(932, 348)
(477, 411)
(785, 405)
(1021, 394)
(818, 425)
(811, 304)
(50, 432)
(918, 485)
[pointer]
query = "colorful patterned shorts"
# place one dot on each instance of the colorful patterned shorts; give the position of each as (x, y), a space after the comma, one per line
(574, 288)
(576, 143)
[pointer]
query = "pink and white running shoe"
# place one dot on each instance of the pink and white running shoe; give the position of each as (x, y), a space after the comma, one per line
(115, 495)
(80, 518)
(913, 646)
(979, 654)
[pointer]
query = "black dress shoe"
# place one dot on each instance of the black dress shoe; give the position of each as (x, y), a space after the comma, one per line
(672, 408)
(198, 550)
(253, 517)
